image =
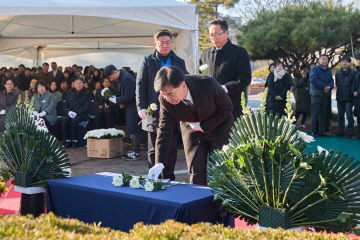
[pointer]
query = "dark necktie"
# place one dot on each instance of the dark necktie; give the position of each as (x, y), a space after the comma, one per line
(189, 104)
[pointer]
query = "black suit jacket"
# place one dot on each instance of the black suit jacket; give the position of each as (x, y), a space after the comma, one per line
(213, 111)
(230, 66)
(145, 92)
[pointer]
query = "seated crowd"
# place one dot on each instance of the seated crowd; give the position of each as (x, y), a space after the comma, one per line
(69, 101)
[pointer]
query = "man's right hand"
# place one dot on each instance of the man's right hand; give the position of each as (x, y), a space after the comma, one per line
(327, 89)
(142, 114)
(155, 171)
(356, 94)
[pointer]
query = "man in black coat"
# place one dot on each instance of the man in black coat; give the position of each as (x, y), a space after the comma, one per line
(77, 107)
(229, 64)
(344, 79)
(355, 89)
(146, 95)
(205, 114)
(58, 75)
(125, 94)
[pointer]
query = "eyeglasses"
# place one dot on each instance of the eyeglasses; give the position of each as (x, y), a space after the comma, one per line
(215, 34)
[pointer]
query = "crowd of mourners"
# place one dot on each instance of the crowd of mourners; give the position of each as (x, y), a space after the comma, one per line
(67, 99)
(312, 87)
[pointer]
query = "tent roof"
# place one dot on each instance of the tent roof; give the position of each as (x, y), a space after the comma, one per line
(128, 23)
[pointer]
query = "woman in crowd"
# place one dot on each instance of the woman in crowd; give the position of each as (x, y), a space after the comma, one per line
(302, 94)
(45, 106)
(8, 98)
(53, 89)
(271, 69)
(279, 83)
(67, 77)
(105, 113)
(97, 87)
(95, 78)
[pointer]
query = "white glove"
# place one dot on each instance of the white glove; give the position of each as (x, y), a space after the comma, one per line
(142, 114)
(113, 99)
(72, 114)
(155, 171)
(225, 88)
(195, 126)
(43, 113)
(35, 113)
(2, 112)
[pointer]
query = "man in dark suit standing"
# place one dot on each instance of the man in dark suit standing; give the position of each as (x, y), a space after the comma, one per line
(146, 95)
(205, 114)
(229, 64)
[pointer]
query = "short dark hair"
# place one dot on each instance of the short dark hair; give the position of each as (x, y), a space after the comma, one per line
(45, 63)
(271, 65)
(324, 55)
(41, 83)
(346, 58)
(161, 33)
(54, 63)
(223, 24)
(304, 66)
(22, 65)
(168, 75)
(78, 78)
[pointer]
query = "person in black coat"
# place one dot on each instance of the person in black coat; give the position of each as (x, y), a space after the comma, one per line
(279, 84)
(229, 64)
(355, 89)
(344, 79)
(58, 75)
(77, 107)
(104, 108)
(124, 84)
(266, 85)
(146, 95)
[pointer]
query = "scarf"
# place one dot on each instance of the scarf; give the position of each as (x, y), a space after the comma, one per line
(278, 75)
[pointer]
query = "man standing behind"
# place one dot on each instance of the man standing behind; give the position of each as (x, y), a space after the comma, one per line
(45, 75)
(146, 95)
(229, 64)
(58, 76)
(321, 83)
(204, 111)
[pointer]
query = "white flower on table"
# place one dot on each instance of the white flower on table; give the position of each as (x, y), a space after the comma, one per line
(149, 186)
(118, 181)
(305, 137)
(153, 107)
(203, 67)
(134, 183)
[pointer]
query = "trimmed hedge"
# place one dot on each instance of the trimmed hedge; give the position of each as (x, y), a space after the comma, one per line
(48, 226)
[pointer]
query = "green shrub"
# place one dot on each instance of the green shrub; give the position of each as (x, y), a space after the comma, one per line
(48, 226)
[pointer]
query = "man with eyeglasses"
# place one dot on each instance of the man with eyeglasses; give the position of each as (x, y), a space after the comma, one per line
(229, 64)
(146, 95)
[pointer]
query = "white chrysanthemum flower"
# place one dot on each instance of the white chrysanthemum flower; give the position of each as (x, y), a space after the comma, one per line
(134, 183)
(203, 67)
(118, 181)
(225, 148)
(103, 91)
(305, 137)
(321, 149)
(99, 133)
(153, 106)
(149, 186)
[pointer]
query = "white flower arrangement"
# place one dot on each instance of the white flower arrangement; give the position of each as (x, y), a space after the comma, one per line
(153, 107)
(118, 181)
(305, 137)
(321, 149)
(134, 183)
(104, 133)
(40, 125)
(148, 185)
(203, 68)
(106, 93)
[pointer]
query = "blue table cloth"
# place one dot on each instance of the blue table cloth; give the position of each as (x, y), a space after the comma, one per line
(93, 198)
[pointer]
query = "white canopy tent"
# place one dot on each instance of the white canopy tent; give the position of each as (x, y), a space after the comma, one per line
(40, 30)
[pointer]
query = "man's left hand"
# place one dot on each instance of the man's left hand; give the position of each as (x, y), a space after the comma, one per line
(195, 126)
(278, 98)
